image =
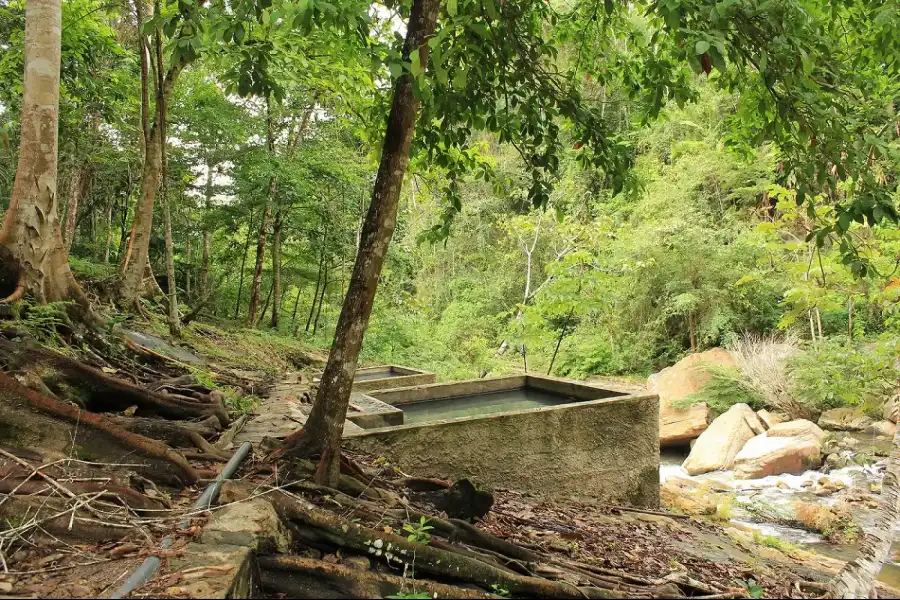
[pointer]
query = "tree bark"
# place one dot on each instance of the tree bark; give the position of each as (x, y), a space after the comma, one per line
(72, 207)
(323, 429)
(109, 234)
(857, 578)
(34, 255)
(252, 316)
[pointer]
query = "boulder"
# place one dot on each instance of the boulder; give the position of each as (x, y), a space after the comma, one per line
(891, 412)
(844, 419)
(716, 447)
(678, 426)
(798, 428)
(770, 419)
(253, 523)
(792, 447)
(882, 428)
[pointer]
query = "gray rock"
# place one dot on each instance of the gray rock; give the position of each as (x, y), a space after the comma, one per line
(253, 523)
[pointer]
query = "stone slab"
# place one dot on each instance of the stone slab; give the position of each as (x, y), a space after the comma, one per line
(216, 571)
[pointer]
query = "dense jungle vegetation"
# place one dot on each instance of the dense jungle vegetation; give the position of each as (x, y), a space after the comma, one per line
(673, 214)
(699, 242)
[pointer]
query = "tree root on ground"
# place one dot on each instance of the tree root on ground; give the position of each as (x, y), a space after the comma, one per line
(175, 433)
(42, 424)
(398, 551)
(99, 392)
(299, 577)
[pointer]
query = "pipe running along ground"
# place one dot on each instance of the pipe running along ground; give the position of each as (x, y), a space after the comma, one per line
(147, 568)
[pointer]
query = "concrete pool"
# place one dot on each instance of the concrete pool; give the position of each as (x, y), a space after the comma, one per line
(546, 436)
(385, 376)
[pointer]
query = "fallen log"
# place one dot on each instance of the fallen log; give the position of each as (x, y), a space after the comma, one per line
(44, 425)
(299, 577)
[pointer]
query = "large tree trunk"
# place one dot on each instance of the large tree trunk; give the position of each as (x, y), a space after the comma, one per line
(252, 316)
(323, 429)
(34, 257)
(857, 578)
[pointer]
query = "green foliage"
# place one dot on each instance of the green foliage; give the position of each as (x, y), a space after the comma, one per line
(409, 595)
(418, 532)
(750, 585)
(726, 387)
(43, 321)
(834, 372)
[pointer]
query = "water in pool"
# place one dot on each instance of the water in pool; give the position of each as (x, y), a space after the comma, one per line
(368, 376)
(480, 404)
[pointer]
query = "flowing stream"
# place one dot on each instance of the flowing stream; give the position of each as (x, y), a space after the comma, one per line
(777, 495)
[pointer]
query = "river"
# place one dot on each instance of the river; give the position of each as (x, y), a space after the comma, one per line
(779, 493)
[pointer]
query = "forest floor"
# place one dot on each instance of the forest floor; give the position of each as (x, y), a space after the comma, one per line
(634, 553)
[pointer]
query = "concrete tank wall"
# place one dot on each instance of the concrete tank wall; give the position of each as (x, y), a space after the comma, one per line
(606, 449)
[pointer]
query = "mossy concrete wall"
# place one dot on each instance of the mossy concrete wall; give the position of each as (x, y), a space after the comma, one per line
(605, 450)
(394, 376)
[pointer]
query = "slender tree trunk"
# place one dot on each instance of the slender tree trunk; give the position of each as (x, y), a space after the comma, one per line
(325, 425)
(262, 314)
(692, 334)
(252, 317)
(187, 267)
(109, 231)
(819, 323)
(237, 305)
(33, 257)
(72, 208)
(850, 318)
(204, 265)
(276, 267)
(312, 308)
(321, 301)
(162, 126)
(857, 578)
(137, 251)
(296, 304)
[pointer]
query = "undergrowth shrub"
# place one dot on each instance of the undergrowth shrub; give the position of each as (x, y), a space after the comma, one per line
(834, 373)
(726, 387)
(763, 363)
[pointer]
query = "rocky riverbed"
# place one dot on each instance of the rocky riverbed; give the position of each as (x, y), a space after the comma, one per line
(767, 507)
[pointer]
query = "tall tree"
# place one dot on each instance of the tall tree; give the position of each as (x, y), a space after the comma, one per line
(256, 282)
(325, 425)
(35, 256)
